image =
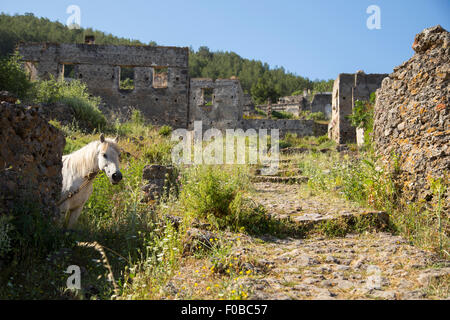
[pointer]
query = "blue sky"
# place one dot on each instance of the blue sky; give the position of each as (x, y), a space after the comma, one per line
(318, 39)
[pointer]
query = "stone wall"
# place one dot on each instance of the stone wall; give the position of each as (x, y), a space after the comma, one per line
(30, 159)
(300, 127)
(161, 80)
(412, 116)
(289, 104)
(347, 89)
(248, 106)
(224, 101)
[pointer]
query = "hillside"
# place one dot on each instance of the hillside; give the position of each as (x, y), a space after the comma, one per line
(257, 78)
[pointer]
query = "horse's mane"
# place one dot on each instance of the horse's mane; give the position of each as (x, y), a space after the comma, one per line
(83, 161)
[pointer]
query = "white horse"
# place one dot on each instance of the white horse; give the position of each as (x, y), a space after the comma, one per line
(79, 171)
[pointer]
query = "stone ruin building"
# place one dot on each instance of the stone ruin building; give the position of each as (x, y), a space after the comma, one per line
(319, 102)
(160, 76)
(161, 88)
(215, 101)
(30, 155)
(346, 90)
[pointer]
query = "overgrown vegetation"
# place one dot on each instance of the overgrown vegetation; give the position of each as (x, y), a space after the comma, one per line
(13, 77)
(75, 95)
(362, 117)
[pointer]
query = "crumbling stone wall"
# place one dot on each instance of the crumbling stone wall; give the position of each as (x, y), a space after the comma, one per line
(248, 106)
(347, 89)
(300, 127)
(299, 99)
(226, 101)
(321, 102)
(30, 159)
(162, 97)
(291, 104)
(412, 116)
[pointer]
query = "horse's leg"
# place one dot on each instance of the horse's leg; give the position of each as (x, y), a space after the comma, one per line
(73, 217)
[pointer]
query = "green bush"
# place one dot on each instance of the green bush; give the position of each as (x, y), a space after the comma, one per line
(260, 112)
(208, 192)
(165, 131)
(75, 95)
(362, 114)
(135, 126)
(316, 116)
(13, 77)
(127, 84)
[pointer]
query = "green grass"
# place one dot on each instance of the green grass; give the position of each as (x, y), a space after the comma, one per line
(282, 115)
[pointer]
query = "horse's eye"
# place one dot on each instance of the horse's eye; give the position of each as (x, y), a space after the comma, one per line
(105, 156)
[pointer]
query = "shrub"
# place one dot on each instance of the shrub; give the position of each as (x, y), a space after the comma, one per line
(260, 112)
(317, 116)
(160, 152)
(165, 131)
(135, 126)
(13, 77)
(362, 114)
(127, 84)
(75, 95)
(208, 192)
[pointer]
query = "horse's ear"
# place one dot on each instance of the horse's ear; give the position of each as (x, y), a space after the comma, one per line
(102, 138)
(116, 139)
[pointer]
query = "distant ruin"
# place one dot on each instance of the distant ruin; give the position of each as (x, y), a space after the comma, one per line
(215, 101)
(319, 102)
(346, 90)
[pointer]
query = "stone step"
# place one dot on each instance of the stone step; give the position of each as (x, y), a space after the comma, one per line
(278, 179)
(280, 162)
(375, 220)
(282, 172)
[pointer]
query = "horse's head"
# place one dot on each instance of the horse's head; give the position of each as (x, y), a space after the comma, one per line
(108, 159)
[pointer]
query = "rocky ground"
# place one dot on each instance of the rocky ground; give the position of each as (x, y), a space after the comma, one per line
(368, 265)
(372, 264)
